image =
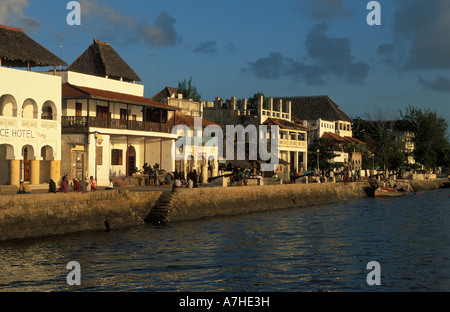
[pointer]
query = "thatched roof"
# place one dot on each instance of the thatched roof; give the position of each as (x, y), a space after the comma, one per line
(315, 107)
(100, 59)
(19, 50)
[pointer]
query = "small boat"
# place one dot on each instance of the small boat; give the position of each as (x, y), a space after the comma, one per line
(389, 192)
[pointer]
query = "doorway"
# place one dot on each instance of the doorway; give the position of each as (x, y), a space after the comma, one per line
(131, 160)
(26, 165)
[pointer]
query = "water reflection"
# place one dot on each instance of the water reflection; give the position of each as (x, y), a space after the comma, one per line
(324, 248)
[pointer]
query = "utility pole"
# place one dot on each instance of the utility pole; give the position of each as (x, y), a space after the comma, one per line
(153, 58)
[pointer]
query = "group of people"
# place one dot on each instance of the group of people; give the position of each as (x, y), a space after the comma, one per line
(192, 179)
(83, 186)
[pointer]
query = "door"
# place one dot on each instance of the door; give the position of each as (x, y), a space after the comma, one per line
(131, 160)
(77, 165)
(78, 109)
(26, 166)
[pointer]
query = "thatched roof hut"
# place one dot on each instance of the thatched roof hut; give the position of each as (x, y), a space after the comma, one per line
(101, 60)
(19, 50)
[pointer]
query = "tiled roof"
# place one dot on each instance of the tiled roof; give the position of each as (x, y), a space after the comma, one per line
(315, 107)
(190, 121)
(284, 124)
(73, 92)
(338, 138)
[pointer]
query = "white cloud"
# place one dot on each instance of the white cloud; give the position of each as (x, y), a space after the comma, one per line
(116, 26)
(12, 14)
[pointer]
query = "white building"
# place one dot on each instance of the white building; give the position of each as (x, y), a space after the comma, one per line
(30, 111)
(321, 114)
(101, 98)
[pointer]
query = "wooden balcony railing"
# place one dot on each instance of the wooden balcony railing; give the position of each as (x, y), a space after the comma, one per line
(72, 124)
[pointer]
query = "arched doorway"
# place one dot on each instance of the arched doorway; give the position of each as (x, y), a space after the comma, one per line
(28, 154)
(131, 160)
(49, 111)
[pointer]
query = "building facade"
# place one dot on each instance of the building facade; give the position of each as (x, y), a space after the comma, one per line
(109, 129)
(30, 111)
(292, 136)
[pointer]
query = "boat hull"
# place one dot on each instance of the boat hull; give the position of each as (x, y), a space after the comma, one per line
(388, 192)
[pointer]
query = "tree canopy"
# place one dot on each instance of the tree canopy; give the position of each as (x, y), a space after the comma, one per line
(432, 146)
(188, 90)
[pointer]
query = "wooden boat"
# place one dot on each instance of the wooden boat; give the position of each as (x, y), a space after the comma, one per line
(389, 192)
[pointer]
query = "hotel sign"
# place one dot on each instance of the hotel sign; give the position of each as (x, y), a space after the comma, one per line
(21, 134)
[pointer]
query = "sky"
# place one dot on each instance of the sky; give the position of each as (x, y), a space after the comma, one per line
(281, 48)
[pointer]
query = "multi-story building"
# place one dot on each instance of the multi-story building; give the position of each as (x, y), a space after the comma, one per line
(30, 111)
(321, 114)
(109, 129)
(292, 136)
(172, 97)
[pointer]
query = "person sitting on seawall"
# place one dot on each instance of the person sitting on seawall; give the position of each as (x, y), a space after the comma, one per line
(85, 186)
(111, 185)
(23, 188)
(93, 184)
(64, 187)
(76, 185)
(51, 186)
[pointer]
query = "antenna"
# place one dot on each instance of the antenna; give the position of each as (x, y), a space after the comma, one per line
(153, 58)
(60, 53)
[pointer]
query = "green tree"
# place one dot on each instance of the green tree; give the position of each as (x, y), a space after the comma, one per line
(326, 154)
(188, 90)
(431, 142)
(252, 102)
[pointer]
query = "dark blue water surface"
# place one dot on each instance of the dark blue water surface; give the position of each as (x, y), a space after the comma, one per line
(322, 248)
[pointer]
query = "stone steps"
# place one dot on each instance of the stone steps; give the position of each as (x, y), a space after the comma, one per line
(160, 212)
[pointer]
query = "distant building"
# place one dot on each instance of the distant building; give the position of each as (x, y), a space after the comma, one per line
(30, 111)
(172, 97)
(292, 136)
(321, 114)
(200, 156)
(102, 99)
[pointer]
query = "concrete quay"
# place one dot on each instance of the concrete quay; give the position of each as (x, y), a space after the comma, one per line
(42, 214)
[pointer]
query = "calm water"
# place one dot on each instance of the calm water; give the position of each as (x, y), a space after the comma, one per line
(323, 248)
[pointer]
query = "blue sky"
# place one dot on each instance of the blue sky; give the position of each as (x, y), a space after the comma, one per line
(281, 48)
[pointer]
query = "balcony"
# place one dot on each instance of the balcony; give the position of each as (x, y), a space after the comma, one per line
(72, 124)
(292, 143)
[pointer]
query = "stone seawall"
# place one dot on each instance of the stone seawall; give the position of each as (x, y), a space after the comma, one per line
(206, 202)
(37, 215)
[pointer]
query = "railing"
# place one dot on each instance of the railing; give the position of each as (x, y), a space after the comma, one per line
(73, 124)
(292, 143)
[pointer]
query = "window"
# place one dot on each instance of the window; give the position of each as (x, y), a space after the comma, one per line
(116, 157)
(99, 155)
(102, 111)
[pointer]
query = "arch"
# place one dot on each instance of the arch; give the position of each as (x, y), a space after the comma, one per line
(28, 155)
(30, 109)
(7, 151)
(131, 160)
(49, 111)
(47, 153)
(6, 154)
(8, 106)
